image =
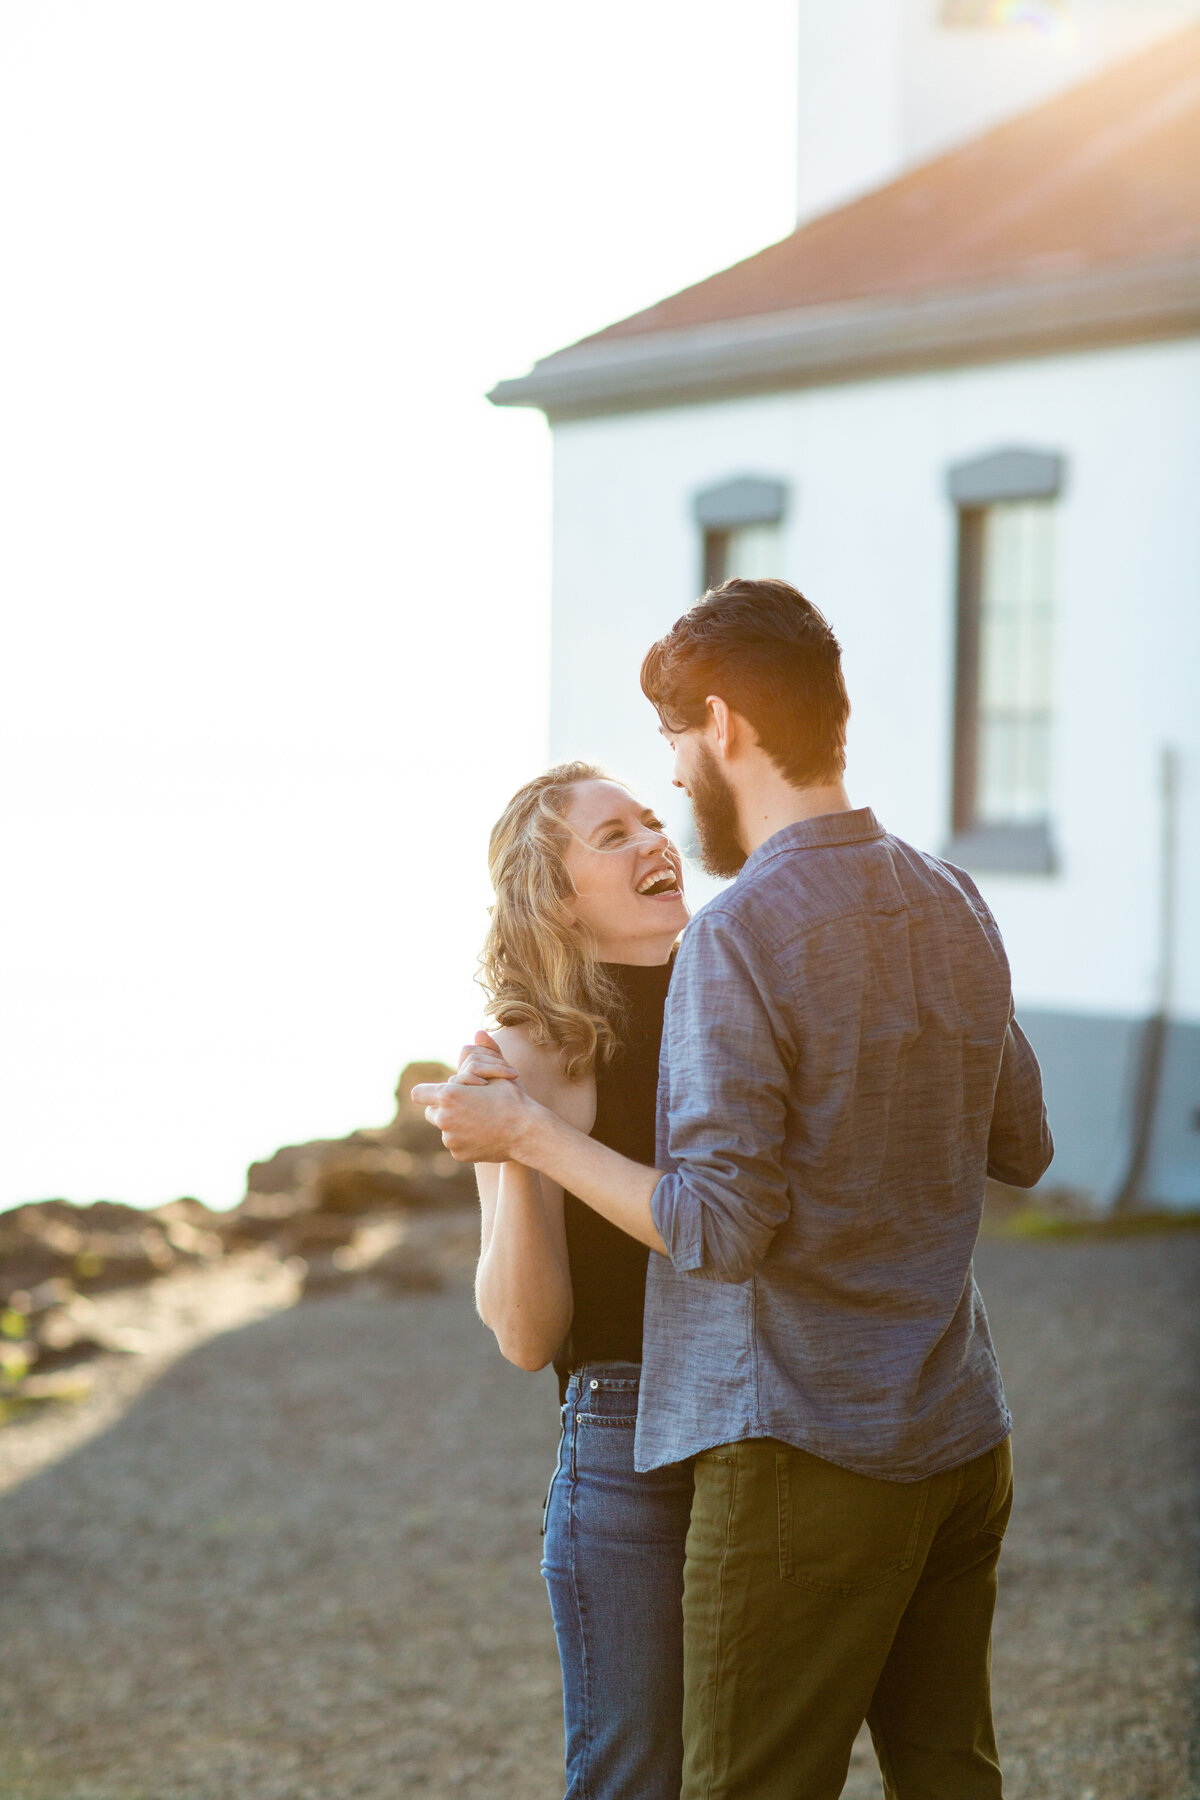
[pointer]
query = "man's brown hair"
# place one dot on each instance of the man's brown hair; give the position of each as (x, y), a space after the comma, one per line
(771, 657)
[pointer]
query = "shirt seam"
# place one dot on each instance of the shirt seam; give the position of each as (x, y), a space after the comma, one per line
(726, 911)
(836, 843)
(804, 929)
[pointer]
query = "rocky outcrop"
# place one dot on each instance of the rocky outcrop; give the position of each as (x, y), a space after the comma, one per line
(394, 1166)
(334, 1209)
(54, 1256)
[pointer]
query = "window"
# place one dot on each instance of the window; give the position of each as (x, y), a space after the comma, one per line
(740, 524)
(1011, 776)
(1004, 666)
(748, 550)
(1041, 15)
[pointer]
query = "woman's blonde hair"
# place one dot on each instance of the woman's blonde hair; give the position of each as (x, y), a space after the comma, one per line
(538, 965)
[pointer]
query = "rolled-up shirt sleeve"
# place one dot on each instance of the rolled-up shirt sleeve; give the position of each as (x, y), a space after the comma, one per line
(729, 1048)
(1020, 1147)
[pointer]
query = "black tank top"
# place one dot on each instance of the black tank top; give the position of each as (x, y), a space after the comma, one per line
(608, 1268)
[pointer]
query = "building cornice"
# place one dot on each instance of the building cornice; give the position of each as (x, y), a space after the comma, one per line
(856, 339)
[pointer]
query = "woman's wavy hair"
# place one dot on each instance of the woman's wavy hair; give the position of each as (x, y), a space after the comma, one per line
(538, 965)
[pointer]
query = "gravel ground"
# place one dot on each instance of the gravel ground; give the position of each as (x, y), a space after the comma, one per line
(299, 1562)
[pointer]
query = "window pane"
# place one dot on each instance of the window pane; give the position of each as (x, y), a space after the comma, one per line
(1000, 14)
(753, 552)
(716, 557)
(1015, 664)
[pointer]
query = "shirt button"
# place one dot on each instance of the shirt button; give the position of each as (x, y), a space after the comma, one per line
(594, 1384)
(579, 1418)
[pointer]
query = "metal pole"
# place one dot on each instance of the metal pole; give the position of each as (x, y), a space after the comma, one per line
(1129, 1195)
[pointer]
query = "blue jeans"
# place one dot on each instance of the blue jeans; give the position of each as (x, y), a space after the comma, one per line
(614, 1566)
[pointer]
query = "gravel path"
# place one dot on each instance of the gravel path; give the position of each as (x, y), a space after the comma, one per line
(302, 1565)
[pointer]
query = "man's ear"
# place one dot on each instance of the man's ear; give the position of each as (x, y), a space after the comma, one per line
(725, 726)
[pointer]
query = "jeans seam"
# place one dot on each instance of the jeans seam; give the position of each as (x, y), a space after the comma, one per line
(712, 1748)
(887, 1768)
(783, 1501)
(584, 1670)
(988, 1528)
(558, 1464)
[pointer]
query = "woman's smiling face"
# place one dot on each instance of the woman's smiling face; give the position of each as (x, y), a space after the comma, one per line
(627, 874)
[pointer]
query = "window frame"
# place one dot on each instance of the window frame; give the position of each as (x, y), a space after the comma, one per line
(724, 508)
(973, 487)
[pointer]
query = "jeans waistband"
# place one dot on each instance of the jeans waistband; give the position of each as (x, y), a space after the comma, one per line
(610, 1387)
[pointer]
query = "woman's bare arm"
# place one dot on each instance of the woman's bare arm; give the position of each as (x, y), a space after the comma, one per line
(523, 1280)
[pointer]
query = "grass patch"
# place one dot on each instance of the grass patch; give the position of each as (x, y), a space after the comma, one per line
(25, 1774)
(1034, 1222)
(20, 1398)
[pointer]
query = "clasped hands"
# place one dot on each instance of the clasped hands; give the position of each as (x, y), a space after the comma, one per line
(483, 1110)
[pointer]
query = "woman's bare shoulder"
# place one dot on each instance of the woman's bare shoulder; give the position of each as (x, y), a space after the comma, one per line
(541, 1068)
(531, 1060)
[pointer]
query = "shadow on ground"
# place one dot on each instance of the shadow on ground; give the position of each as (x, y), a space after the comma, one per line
(305, 1563)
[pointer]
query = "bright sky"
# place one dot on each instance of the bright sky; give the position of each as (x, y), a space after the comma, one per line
(274, 574)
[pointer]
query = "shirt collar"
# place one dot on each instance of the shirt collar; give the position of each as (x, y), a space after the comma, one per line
(826, 830)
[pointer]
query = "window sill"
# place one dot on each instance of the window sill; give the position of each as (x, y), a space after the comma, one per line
(1004, 849)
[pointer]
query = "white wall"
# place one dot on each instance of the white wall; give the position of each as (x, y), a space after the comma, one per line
(883, 85)
(851, 101)
(870, 539)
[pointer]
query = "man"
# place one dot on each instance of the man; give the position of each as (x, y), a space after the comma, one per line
(841, 1071)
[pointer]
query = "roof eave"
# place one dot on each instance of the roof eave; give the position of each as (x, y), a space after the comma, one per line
(815, 345)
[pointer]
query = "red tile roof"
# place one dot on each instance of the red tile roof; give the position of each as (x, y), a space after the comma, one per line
(1108, 172)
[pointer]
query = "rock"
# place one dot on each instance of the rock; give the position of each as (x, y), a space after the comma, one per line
(56, 1384)
(375, 1181)
(291, 1169)
(186, 1211)
(103, 1245)
(111, 1259)
(101, 1215)
(188, 1241)
(55, 1326)
(35, 1246)
(448, 1183)
(317, 1232)
(47, 1296)
(410, 1129)
(375, 1169)
(190, 1227)
(76, 1345)
(260, 1219)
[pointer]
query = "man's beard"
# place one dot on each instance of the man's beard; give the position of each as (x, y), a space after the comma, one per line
(715, 813)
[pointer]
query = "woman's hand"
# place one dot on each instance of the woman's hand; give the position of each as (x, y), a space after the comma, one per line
(481, 1062)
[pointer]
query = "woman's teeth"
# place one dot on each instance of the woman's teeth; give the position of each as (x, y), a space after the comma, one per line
(658, 881)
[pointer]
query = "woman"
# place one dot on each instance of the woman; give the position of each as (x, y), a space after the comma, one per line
(589, 904)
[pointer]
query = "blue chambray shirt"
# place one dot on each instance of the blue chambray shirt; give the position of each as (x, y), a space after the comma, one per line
(841, 1069)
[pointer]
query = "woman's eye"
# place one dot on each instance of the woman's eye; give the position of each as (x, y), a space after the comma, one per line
(614, 837)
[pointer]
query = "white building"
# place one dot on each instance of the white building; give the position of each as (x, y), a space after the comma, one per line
(962, 413)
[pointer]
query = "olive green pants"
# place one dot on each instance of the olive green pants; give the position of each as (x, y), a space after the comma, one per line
(815, 1598)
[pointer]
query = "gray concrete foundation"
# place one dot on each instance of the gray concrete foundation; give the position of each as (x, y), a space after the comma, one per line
(1090, 1065)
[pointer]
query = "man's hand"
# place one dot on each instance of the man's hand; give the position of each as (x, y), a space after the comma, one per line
(482, 1120)
(485, 1115)
(482, 1062)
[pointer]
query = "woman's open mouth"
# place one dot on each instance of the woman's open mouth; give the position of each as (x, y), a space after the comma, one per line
(657, 883)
